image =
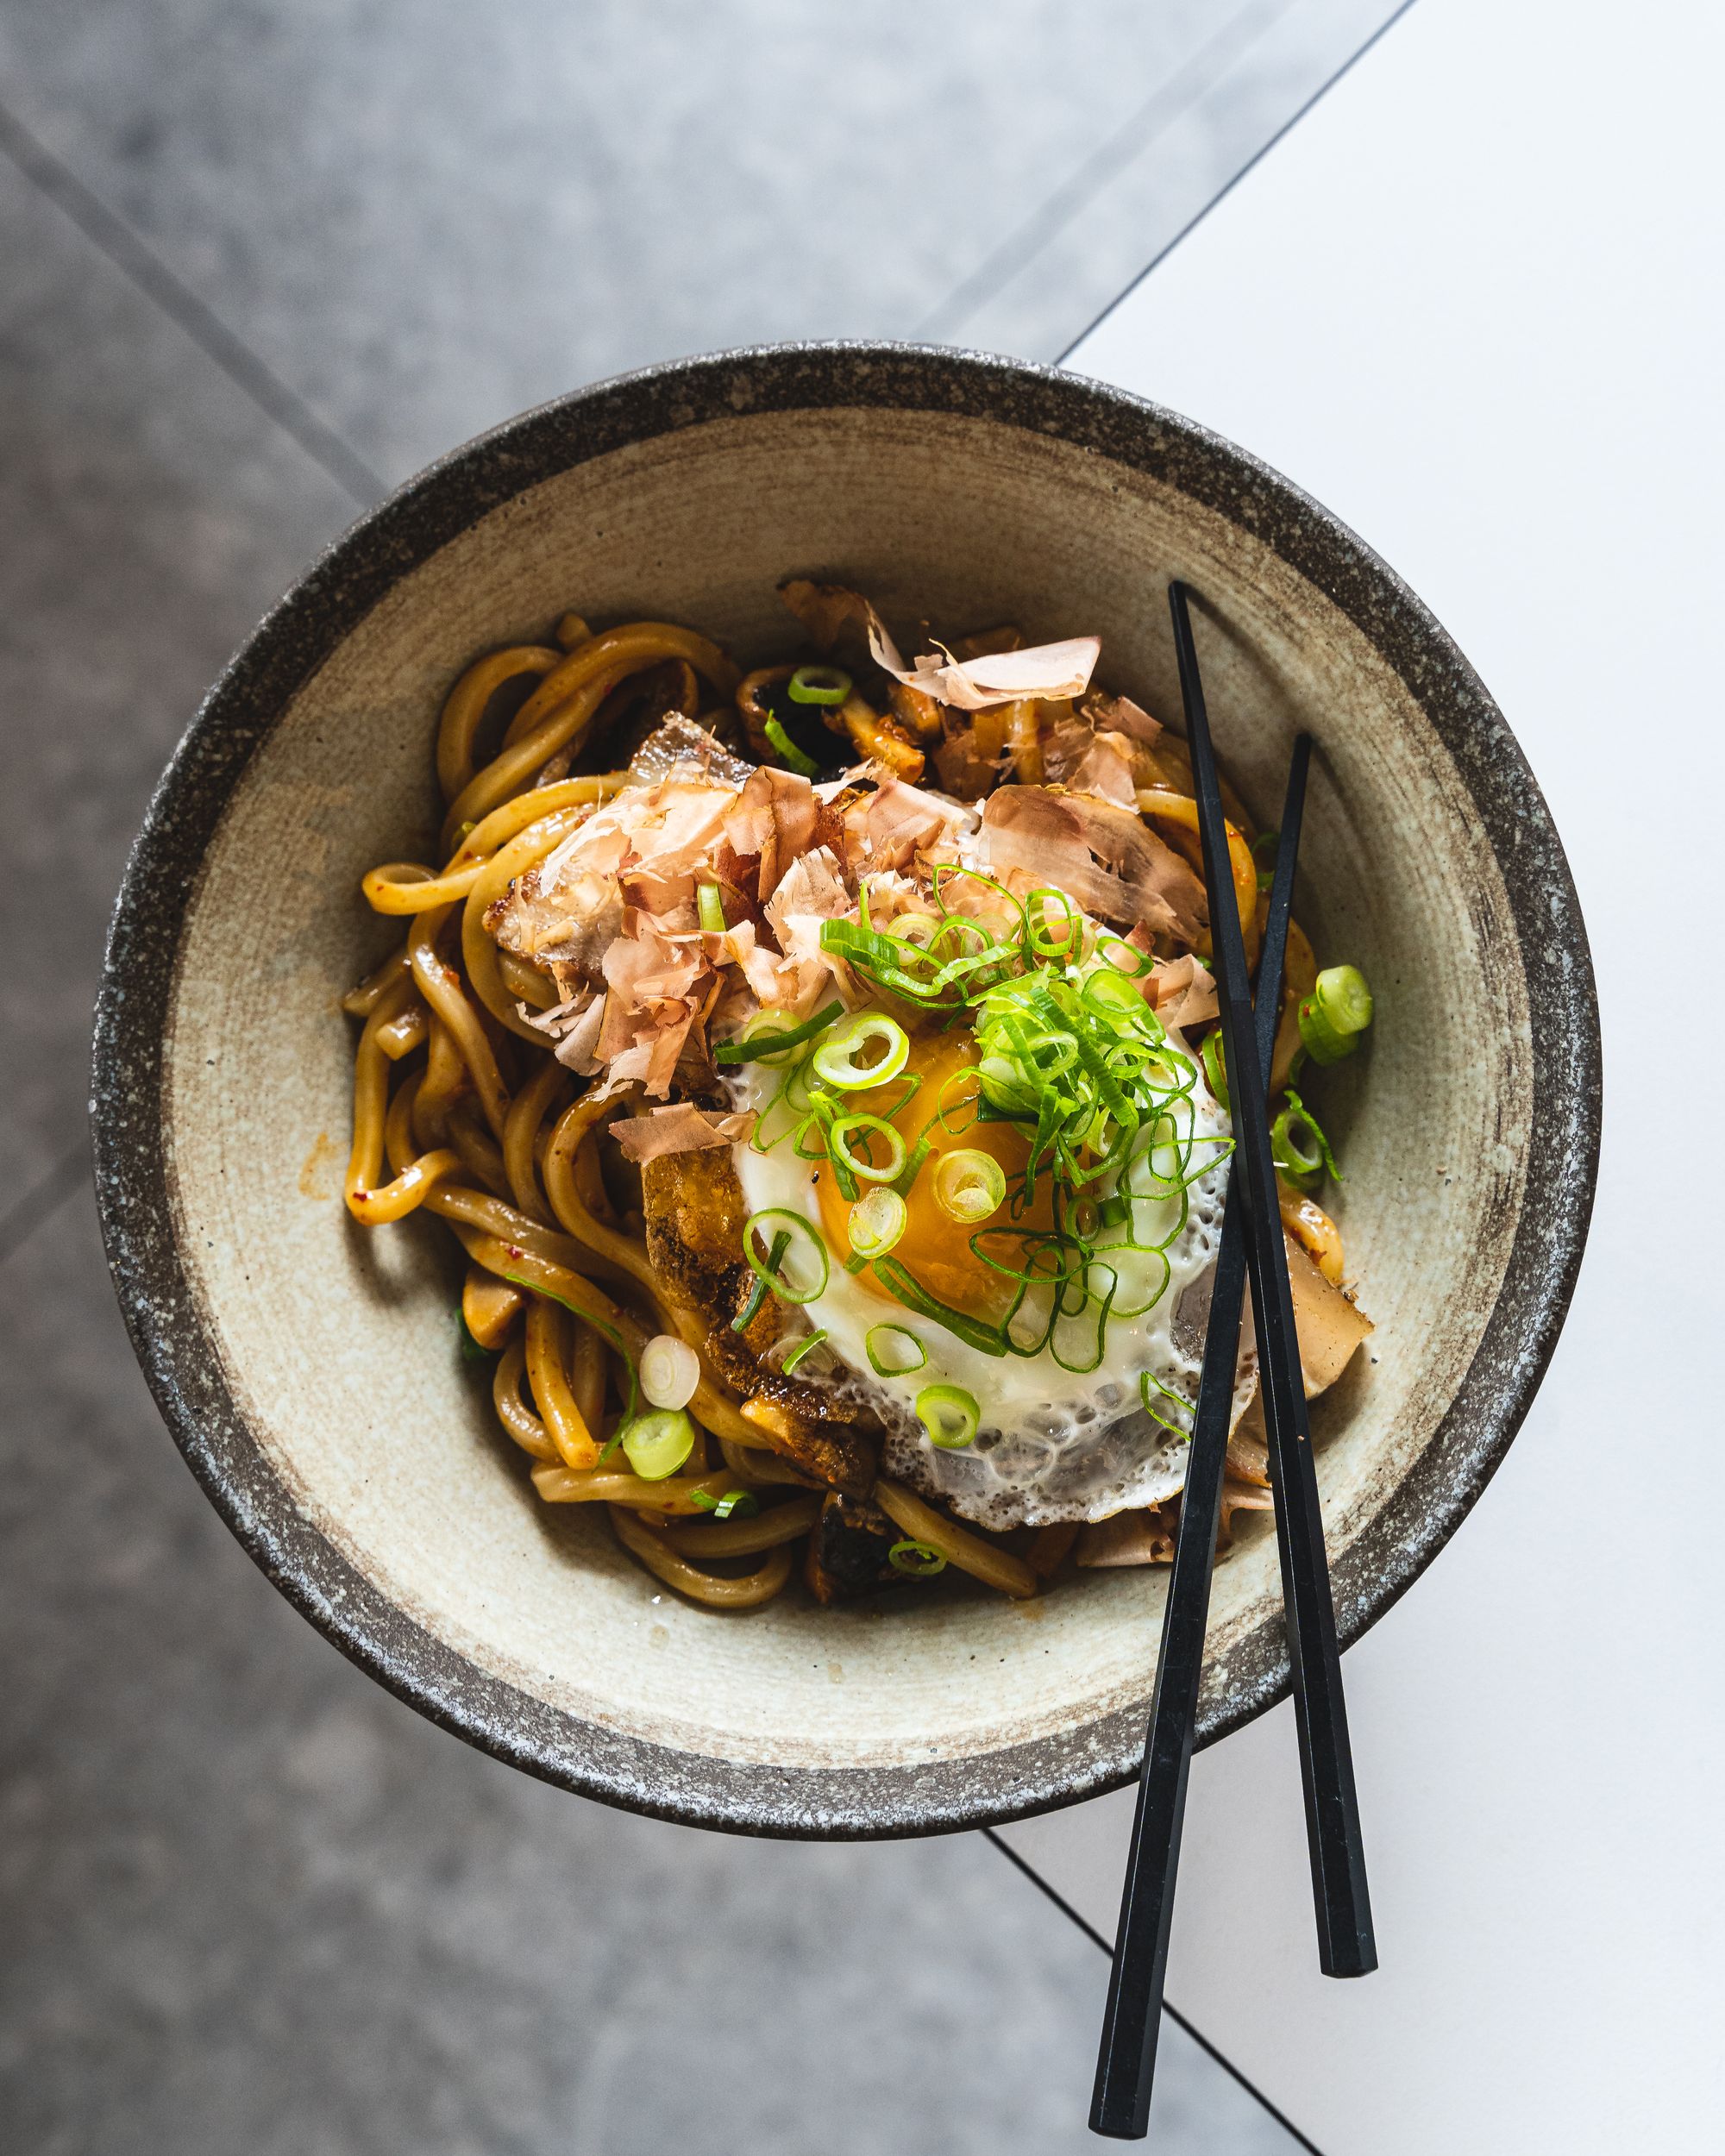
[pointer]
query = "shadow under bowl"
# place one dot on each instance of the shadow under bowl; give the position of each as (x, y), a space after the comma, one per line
(308, 1369)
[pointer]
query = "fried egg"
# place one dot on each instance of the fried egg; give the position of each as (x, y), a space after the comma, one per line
(1054, 1442)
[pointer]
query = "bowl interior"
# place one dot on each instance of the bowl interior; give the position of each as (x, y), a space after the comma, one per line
(338, 1344)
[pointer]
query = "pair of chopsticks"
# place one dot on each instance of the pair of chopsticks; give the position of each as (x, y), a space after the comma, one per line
(1252, 1248)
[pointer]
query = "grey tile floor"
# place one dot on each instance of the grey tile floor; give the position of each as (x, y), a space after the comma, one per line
(259, 259)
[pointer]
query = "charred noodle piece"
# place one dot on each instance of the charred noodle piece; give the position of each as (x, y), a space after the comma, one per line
(850, 1553)
(748, 1592)
(760, 1465)
(984, 1561)
(695, 1210)
(839, 1457)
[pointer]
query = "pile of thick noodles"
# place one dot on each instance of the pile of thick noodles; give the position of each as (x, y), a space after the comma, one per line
(463, 1108)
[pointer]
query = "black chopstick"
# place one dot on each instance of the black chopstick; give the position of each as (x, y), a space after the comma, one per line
(1345, 1945)
(1125, 2063)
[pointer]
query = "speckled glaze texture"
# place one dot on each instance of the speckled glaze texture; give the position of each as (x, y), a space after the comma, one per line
(307, 1371)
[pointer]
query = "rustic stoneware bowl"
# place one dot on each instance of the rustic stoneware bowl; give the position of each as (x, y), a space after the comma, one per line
(308, 1369)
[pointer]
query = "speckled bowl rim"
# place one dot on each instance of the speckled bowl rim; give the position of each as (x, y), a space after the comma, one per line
(168, 1333)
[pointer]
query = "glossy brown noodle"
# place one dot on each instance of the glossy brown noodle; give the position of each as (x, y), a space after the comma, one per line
(459, 1108)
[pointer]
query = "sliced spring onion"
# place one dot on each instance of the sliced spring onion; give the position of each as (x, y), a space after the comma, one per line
(969, 1185)
(839, 1061)
(916, 1560)
(893, 1351)
(802, 1347)
(710, 907)
(948, 1414)
(910, 1291)
(655, 1444)
(795, 758)
(796, 1266)
(474, 1351)
(1263, 853)
(875, 1128)
(1335, 1014)
(670, 1371)
(757, 1295)
(464, 832)
(736, 1504)
(1211, 1056)
(819, 684)
(1148, 1383)
(877, 1220)
(751, 1047)
(1299, 1147)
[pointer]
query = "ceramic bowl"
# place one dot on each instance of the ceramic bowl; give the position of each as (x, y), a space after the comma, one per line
(309, 1368)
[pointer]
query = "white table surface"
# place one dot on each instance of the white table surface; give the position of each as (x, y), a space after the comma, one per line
(1472, 303)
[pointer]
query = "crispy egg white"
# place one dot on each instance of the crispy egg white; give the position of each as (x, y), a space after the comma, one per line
(1054, 1443)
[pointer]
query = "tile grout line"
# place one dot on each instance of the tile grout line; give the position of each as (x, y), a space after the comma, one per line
(137, 260)
(1073, 196)
(38, 1205)
(1192, 223)
(993, 1834)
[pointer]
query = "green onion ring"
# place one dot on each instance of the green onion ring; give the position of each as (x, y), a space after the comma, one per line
(1305, 1164)
(877, 1220)
(969, 1185)
(657, 1445)
(835, 1060)
(753, 1048)
(709, 909)
(819, 684)
(802, 1347)
(1335, 1014)
(839, 1147)
(948, 1414)
(915, 1560)
(880, 1341)
(802, 1244)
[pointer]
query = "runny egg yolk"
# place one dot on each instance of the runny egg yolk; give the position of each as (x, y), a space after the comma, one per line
(934, 1247)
